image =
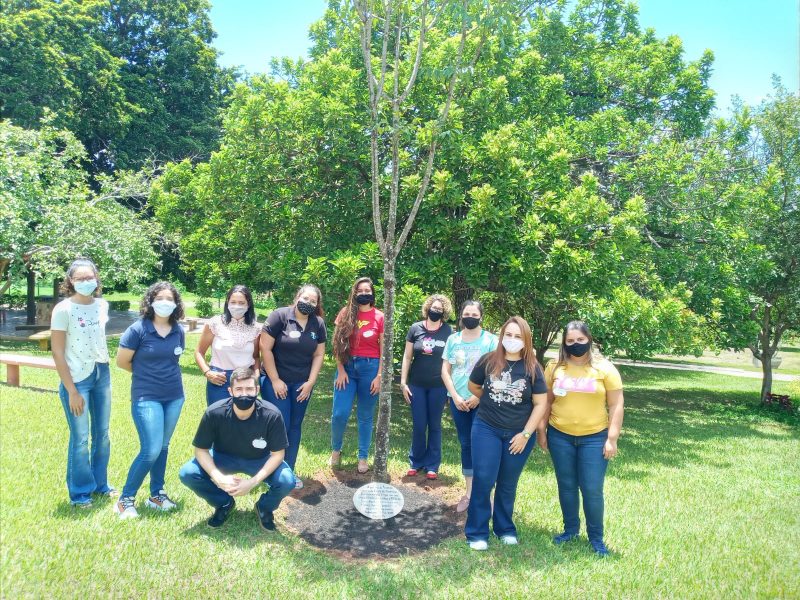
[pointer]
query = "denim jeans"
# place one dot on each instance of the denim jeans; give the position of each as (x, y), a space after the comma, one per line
(218, 392)
(293, 413)
(427, 406)
(579, 464)
(280, 481)
(87, 472)
(155, 421)
(494, 465)
(361, 371)
(463, 421)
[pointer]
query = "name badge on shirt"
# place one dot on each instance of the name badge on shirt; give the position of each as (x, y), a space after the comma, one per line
(369, 333)
(558, 391)
(260, 443)
(294, 334)
(178, 351)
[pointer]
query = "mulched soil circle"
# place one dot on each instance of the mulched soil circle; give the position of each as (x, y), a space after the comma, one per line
(324, 516)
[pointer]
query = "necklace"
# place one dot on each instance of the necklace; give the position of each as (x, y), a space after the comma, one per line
(510, 365)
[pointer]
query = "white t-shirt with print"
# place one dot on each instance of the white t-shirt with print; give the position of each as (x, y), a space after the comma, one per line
(85, 325)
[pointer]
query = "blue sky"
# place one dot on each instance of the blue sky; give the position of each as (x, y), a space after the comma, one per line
(751, 39)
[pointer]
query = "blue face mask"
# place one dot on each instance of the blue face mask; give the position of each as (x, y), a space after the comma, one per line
(86, 287)
(164, 308)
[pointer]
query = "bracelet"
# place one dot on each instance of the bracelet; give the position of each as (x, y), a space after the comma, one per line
(206, 371)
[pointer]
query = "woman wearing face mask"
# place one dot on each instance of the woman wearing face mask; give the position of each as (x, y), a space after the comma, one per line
(585, 410)
(357, 348)
(78, 339)
(151, 349)
(293, 348)
(232, 337)
(421, 382)
(512, 395)
(461, 353)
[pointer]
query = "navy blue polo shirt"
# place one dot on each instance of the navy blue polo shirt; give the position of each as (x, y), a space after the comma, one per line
(294, 345)
(156, 372)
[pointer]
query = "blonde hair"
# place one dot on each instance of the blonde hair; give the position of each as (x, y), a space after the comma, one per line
(447, 306)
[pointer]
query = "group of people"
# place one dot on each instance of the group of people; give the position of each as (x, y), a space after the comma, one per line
(501, 400)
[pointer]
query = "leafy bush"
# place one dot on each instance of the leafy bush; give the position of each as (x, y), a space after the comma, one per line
(13, 301)
(204, 307)
(121, 305)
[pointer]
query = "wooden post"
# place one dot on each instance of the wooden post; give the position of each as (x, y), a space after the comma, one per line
(12, 375)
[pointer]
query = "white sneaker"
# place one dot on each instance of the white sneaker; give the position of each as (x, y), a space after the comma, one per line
(479, 545)
(161, 502)
(509, 540)
(298, 483)
(125, 509)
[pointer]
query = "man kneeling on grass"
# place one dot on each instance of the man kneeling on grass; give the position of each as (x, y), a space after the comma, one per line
(241, 434)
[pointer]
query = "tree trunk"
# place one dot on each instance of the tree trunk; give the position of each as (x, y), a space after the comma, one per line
(30, 317)
(461, 292)
(56, 285)
(381, 464)
(766, 381)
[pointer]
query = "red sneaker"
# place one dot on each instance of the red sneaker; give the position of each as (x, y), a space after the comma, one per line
(432, 475)
(411, 473)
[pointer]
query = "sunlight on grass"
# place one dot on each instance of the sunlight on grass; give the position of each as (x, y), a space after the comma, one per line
(702, 502)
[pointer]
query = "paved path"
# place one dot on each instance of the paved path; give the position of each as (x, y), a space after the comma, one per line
(705, 369)
(701, 368)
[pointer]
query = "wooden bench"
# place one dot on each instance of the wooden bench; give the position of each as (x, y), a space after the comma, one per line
(15, 361)
(191, 323)
(43, 337)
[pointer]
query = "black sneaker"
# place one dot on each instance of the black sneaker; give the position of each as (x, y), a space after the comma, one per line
(265, 519)
(221, 514)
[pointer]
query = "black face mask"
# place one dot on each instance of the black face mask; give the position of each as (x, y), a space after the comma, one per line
(471, 322)
(365, 299)
(244, 402)
(435, 315)
(578, 350)
(305, 308)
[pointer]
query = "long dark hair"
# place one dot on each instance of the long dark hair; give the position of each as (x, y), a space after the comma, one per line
(497, 357)
(346, 322)
(250, 315)
(464, 305)
(146, 307)
(584, 329)
(310, 286)
(68, 289)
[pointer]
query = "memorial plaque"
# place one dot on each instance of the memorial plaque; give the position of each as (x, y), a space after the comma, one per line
(378, 500)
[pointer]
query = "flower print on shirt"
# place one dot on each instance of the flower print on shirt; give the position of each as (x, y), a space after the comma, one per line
(502, 389)
(587, 385)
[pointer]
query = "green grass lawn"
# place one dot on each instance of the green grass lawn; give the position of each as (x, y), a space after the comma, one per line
(703, 502)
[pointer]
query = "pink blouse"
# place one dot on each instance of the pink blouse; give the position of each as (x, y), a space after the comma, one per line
(233, 344)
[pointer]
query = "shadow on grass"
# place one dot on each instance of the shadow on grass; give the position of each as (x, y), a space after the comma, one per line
(241, 530)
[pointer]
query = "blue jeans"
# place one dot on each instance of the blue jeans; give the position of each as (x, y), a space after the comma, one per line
(293, 413)
(155, 421)
(427, 406)
(218, 392)
(87, 472)
(463, 422)
(579, 464)
(280, 481)
(494, 465)
(361, 372)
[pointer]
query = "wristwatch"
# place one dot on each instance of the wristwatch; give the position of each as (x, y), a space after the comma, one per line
(526, 434)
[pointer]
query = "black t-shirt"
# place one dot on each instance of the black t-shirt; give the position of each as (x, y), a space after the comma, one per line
(426, 368)
(506, 402)
(294, 346)
(255, 437)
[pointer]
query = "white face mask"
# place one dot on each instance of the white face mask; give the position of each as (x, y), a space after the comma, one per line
(512, 345)
(237, 312)
(164, 308)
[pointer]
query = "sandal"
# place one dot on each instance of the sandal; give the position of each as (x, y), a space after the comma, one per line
(363, 467)
(336, 458)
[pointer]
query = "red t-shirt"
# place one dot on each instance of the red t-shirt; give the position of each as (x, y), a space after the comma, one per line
(365, 341)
